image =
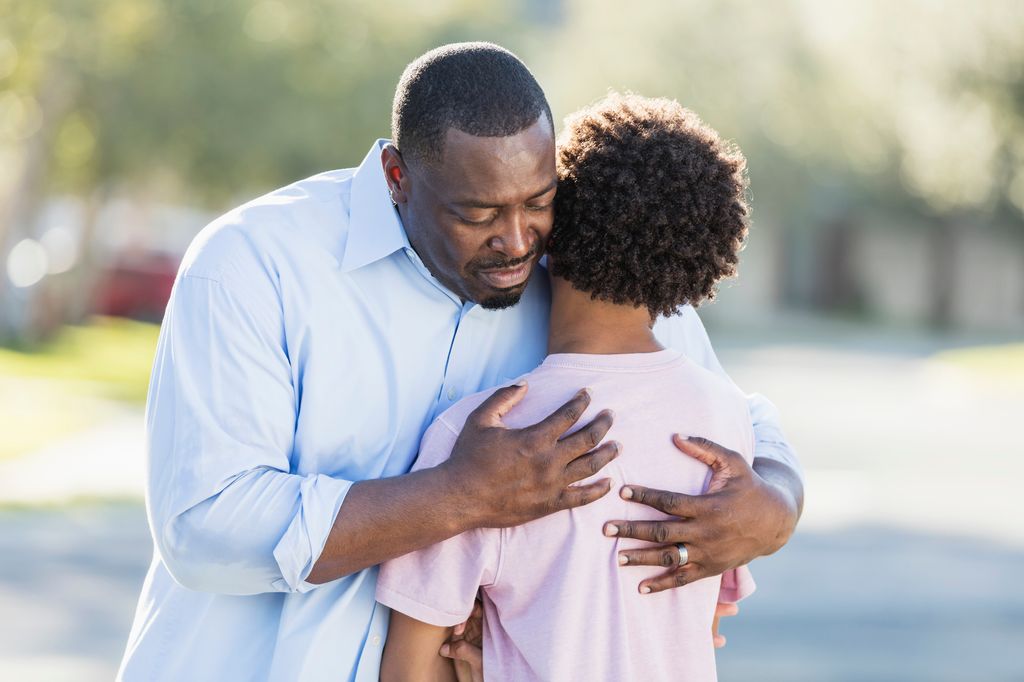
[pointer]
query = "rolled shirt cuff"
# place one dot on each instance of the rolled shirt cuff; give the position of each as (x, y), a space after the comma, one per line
(320, 498)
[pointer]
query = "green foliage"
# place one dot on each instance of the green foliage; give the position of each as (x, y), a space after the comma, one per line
(210, 101)
(109, 358)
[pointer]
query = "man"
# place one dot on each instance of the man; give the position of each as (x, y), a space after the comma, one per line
(312, 336)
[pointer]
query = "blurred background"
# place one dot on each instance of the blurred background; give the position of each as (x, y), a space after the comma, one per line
(880, 301)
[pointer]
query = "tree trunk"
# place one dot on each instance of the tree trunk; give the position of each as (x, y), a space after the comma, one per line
(25, 199)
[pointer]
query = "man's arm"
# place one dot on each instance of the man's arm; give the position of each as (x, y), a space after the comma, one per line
(748, 510)
(496, 477)
(742, 516)
(228, 516)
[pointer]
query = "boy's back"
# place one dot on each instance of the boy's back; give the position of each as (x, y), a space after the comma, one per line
(556, 603)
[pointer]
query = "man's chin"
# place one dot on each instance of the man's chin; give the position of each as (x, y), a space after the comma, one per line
(502, 300)
(499, 299)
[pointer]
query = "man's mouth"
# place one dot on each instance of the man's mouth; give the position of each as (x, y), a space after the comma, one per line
(507, 278)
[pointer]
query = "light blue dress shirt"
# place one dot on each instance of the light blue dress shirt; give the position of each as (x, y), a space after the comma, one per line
(306, 346)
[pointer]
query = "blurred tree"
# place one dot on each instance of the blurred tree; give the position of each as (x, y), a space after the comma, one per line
(913, 108)
(198, 102)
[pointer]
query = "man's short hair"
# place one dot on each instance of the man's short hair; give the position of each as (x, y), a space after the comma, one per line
(651, 208)
(478, 88)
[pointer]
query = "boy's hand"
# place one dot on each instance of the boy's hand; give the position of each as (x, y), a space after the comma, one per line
(465, 648)
(505, 477)
(722, 610)
(741, 516)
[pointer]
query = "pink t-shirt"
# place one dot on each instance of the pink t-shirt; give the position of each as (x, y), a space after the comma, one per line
(557, 605)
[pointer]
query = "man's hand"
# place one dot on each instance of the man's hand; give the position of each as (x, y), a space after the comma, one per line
(741, 516)
(495, 477)
(506, 477)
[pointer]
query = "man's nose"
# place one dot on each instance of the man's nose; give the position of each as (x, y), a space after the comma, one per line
(516, 237)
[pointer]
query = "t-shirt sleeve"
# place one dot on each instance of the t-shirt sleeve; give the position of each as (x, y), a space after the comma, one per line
(737, 584)
(438, 584)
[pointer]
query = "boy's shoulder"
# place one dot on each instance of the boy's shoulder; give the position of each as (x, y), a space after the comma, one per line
(441, 435)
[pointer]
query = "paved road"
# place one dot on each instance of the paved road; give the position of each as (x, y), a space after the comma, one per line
(907, 566)
(865, 603)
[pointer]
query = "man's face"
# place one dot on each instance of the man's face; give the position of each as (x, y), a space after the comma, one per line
(479, 218)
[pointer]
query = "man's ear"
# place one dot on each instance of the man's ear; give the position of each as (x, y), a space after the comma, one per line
(396, 173)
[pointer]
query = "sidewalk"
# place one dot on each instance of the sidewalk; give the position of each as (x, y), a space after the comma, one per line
(905, 565)
(107, 461)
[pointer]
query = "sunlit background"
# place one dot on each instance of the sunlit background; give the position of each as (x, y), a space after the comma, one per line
(880, 302)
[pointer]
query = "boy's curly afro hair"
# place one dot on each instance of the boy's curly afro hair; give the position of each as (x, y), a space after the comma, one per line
(651, 207)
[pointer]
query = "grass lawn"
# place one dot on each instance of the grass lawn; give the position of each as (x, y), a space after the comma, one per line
(65, 385)
(1002, 363)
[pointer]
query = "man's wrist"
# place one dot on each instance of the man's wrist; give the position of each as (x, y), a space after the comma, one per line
(463, 507)
(786, 490)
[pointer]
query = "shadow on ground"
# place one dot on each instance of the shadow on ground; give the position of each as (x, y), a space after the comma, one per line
(865, 603)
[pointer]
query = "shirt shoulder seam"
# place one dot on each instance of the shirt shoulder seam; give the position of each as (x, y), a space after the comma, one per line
(189, 275)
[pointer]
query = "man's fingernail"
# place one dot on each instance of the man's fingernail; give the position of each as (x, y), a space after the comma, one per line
(444, 649)
(611, 529)
(627, 493)
(585, 392)
(644, 589)
(623, 560)
(682, 437)
(520, 383)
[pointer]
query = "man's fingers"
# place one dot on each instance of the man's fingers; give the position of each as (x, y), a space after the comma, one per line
(678, 577)
(666, 556)
(588, 437)
(579, 495)
(562, 419)
(705, 451)
(662, 532)
(491, 411)
(675, 504)
(462, 650)
(592, 462)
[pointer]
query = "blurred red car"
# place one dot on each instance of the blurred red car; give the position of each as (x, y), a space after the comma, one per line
(136, 287)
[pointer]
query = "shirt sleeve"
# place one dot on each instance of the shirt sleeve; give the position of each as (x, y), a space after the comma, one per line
(737, 584)
(438, 584)
(226, 514)
(685, 332)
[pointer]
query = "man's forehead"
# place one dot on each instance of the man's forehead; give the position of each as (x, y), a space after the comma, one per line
(474, 168)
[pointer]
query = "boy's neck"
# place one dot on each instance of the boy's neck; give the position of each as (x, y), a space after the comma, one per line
(582, 325)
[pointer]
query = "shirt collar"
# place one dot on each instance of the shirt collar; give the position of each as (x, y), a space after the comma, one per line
(375, 230)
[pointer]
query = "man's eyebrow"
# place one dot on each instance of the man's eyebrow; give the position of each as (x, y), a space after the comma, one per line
(474, 203)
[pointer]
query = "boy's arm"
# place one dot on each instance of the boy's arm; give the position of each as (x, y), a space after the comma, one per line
(432, 590)
(411, 652)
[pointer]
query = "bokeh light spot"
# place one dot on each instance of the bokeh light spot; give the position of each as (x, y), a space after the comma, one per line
(27, 263)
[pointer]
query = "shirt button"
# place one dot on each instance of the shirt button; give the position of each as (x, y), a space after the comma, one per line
(452, 393)
(376, 640)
